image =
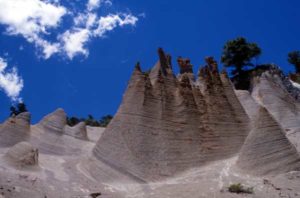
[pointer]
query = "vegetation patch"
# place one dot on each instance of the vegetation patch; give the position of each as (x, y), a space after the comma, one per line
(95, 195)
(239, 189)
(90, 121)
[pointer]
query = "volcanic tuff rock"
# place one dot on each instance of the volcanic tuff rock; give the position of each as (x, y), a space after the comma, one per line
(48, 134)
(270, 92)
(15, 129)
(22, 154)
(55, 121)
(159, 112)
(78, 131)
(250, 105)
(171, 137)
(267, 150)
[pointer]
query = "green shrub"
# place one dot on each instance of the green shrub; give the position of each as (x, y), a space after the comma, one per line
(90, 121)
(239, 188)
(17, 109)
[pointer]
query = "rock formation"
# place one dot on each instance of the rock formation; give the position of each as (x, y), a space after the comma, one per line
(78, 131)
(267, 150)
(47, 134)
(185, 65)
(166, 125)
(54, 122)
(22, 154)
(173, 136)
(15, 129)
(270, 92)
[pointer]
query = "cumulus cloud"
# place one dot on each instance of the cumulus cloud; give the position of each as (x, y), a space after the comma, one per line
(30, 19)
(110, 22)
(10, 82)
(88, 25)
(74, 42)
(35, 20)
(93, 4)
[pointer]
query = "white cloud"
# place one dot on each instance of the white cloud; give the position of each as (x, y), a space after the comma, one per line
(93, 4)
(111, 21)
(85, 20)
(10, 82)
(73, 42)
(31, 18)
(37, 20)
(47, 48)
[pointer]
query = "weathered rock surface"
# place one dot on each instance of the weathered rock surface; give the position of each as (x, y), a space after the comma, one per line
(269, 91)
(78, 131)
(267, 149)
(160, 112)
(15, 129)
(54, 122)
(23, 154)
(250, 105)
(171, 137)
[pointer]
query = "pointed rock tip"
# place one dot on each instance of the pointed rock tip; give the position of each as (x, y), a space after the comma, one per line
(60, 113)
(213, 65)
(59, 110)
(165, 61)
(80, 124)
(55, 121)
(138, 66)
(185, 65)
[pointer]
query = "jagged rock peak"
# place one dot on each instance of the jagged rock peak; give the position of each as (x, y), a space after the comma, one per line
(162, 69)
(185, 65)
(138, 67)
(55, 121)
(209, 73)
(212, 64)
(165, 61)
(174, 125)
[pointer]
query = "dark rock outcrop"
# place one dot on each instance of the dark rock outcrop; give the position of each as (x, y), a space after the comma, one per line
(185, 65)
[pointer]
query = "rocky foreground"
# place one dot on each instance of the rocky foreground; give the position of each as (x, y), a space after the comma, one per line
(173, 136)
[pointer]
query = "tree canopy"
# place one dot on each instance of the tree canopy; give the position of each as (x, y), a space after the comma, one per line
(90, 121)
(294, 59)
(17, 109)
(239, 53)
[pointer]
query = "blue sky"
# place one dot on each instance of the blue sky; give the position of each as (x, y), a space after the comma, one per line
(91, 79)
